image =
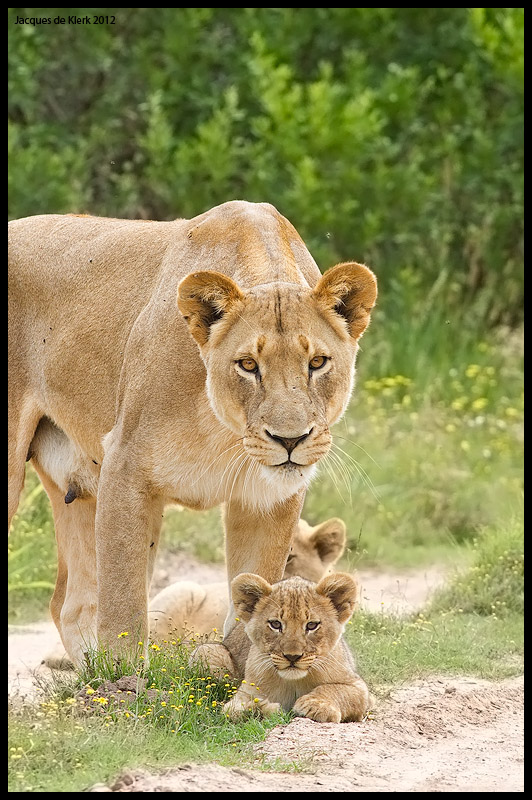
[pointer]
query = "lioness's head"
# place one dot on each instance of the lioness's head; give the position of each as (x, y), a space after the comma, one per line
(294, 622)
(280, 359)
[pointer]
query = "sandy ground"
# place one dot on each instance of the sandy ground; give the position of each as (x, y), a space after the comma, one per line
(439, 735)
(448, 735)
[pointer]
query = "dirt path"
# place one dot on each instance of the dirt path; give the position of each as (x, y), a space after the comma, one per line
(439, 735)
(447, 735)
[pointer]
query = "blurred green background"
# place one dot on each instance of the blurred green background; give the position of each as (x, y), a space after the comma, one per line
(392, 136)
(389, 135)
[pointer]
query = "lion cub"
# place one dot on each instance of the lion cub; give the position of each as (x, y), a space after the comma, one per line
(290, 651)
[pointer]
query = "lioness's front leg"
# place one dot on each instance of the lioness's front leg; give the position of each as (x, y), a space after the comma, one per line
(259, 542)
(128, 521)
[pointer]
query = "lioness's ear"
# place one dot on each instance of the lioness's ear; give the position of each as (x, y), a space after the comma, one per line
(350, 290)
(328, 539)
(341, 589)
(203, 298)
(246, 590)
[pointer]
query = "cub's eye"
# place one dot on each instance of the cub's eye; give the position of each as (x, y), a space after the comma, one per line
(318, 362)
(311, 626)
(275, 624)
(248, 364)
(290, 558)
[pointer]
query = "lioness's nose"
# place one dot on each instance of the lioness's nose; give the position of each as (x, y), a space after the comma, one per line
(292, 658)
(289, 443)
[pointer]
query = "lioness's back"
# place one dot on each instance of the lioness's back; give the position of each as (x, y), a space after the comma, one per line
(48, 251)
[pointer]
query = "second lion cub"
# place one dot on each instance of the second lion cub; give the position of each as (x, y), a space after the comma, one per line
(290, 651)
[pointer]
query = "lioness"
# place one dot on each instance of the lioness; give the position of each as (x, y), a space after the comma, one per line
(198, 362)
(290, 649)
(187, 608)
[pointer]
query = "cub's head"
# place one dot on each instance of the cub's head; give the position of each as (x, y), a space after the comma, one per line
(280, 359)
(294, 622)
(315, 550)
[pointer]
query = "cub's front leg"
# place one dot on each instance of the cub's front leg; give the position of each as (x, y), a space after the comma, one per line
(248, 698)
(216, 658)
(335, 703)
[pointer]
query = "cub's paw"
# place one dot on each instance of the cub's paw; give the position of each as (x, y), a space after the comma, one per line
(244, 704)
(215, 657)
(236, 708)
(267, 708)
(316, 709)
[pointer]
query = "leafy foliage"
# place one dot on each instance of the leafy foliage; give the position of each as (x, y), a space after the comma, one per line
(390, 135)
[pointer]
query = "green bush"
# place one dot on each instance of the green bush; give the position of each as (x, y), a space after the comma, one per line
(390, 135)
(494, 583)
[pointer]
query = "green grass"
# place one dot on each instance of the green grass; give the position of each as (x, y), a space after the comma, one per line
(61, 752)
(73, 740)
(32, 555)
(473, 625)
(493, 584)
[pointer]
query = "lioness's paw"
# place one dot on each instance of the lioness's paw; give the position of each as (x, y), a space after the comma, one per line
(58, 659)
(316, 709)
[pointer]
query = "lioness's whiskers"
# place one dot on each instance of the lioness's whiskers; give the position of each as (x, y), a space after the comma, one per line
(237, 473)
(250, 470)
(330, 471)
(344, 472)
(207, 468)
(232, 462)
(361, 471)
(360, 448)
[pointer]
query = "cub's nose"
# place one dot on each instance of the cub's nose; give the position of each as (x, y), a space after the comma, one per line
(288, 442)
(292, 658)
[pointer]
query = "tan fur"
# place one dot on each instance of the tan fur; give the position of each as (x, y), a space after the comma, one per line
(310, 671)
(144, 397)
(189, 609)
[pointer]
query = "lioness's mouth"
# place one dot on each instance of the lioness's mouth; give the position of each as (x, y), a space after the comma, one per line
(289, 468)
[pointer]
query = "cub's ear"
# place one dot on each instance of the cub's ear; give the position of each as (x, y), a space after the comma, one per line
(203, 298)
(328, 539)
(246, 590)
(342, 590)
(350, 290)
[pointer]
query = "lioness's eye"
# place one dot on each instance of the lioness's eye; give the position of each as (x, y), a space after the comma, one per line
(248, 364)
(275, 624)
(317, 362)
(311, 626)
